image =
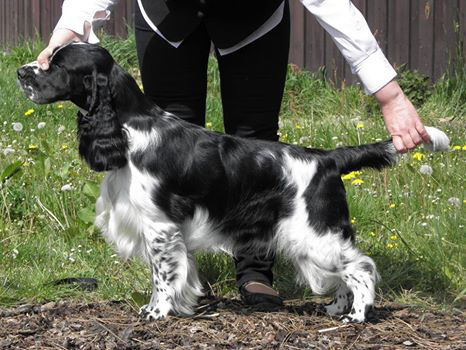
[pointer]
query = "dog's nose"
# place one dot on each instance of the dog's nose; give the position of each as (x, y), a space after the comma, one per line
(21, 72)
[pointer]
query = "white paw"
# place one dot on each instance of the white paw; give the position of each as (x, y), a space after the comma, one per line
(358, 315)
(353, 318)
(152, 313)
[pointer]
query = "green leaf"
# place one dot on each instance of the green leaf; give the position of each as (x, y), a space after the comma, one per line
(47, 166)
(63, 172)
(91, 189)
(11, 170)
(45, 146)
(87, 215)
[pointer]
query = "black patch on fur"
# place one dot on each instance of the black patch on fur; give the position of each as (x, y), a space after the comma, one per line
(365, 266)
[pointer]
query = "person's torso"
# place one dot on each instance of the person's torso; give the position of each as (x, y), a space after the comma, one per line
(227, 21)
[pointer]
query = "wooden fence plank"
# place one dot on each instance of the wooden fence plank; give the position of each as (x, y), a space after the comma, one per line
(462, 26)
(314, 50)
(119, 13)
(129, 13)
(444, 35)
(422, 37)
(297, 38)
(398, 31)
(35, 18)
(44, 18)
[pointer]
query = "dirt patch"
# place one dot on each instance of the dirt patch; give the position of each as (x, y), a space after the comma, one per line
(225, 324)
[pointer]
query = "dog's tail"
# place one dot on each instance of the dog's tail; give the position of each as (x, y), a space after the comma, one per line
(381, 154)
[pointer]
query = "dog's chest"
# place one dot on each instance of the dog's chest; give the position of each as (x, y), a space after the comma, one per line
(125, 209)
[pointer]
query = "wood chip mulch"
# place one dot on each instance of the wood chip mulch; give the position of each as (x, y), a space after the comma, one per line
(225, 324)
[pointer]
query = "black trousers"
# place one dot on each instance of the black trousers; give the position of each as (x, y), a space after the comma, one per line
(252, 81)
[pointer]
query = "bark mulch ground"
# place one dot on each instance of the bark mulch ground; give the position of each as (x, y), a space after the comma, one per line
(225, 324)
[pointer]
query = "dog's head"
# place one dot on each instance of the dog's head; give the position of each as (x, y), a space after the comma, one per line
(88, 76)
(76, 72)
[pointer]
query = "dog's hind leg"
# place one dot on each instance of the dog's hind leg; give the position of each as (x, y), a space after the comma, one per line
(176, 285)
(328, 262)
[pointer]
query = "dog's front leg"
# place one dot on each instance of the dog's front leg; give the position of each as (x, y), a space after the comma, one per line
(169, 264)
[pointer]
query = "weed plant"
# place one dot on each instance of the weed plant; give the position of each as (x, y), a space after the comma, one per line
(410, 219)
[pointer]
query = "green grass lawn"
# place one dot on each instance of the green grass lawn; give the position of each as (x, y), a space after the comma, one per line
(411, 224)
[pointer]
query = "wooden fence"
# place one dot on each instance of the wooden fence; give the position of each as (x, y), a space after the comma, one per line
(423, 34)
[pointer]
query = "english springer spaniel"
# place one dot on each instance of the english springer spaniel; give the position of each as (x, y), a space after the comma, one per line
(173, 188)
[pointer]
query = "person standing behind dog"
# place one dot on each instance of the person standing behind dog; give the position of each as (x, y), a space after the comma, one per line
(251, 40)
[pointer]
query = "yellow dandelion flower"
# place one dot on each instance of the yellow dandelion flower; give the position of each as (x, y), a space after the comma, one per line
(464, 148)
(418, 156)
(393, 237)
(357, 182)
(353, 221)
(372, 234)
(208, 125)
(456, 148)
(390, 246)
(60, 106)
(29, 111)
(64, 146)
(348, 177)
(351, 175)
(393, 205)
(298, 126)
(32, 147)
(360, 125)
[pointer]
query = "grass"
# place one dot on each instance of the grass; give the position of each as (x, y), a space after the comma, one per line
(411, 224)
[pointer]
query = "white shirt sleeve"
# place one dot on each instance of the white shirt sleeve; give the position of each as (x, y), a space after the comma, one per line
(350, 32)
(75, 13)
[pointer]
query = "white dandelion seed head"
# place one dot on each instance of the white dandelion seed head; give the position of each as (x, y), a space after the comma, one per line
(7, 151)
(17, 126)
(67, 187)
(41, 125)
(426, 169)
(454, 201)
(61, 128)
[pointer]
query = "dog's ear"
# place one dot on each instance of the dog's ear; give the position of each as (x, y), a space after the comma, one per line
(102, 140)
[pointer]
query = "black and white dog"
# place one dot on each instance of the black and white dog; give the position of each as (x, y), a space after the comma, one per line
(173, 188)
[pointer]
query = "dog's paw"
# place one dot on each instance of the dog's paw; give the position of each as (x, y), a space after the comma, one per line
(352, 318)
(152, 313)
(340, 305)
(334, 309)
(358, 316)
